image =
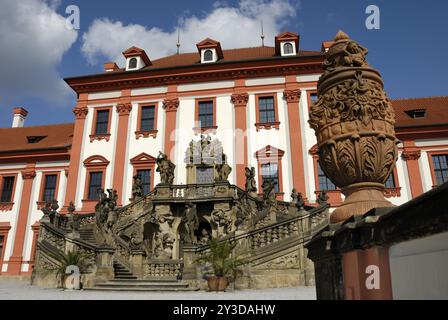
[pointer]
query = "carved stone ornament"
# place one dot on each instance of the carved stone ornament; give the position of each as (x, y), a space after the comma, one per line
(171, 105)
(354, 124)
(124, 108)
(292, 96)
(80, 112)
(240, 99)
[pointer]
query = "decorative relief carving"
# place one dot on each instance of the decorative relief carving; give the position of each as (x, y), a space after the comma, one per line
(268, 126)
(411, 154)
(6, 206)
(240, 100)
(80, 112)
(28, 174)
(146, 134)
(171, 105)
(124, 108)
(99, 137)
(292, 96)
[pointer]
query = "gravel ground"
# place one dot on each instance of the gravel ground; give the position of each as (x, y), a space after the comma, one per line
(22, 290)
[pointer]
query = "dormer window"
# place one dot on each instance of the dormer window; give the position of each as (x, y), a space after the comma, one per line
(132, 63)
(34, 139)
(136, 59)
(208, 55)
(209, 50)
(416, 114)
(287, 44)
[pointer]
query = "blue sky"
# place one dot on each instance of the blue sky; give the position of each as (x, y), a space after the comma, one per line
(409, 49)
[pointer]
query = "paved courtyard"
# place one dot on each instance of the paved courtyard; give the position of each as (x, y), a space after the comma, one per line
(22, 290)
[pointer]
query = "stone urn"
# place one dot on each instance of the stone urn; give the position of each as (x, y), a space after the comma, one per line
(354, 121)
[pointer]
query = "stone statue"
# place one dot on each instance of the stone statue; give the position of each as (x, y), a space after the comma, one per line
(294, 196)
(137, 188)
(166, 168)
(297, 199)
(191, 223)
(105, 209)
(323, 198)
(353, 120)
(73, 218)
(251, 185)
(223, 220)
(268, 187)
(223, 170)
(205, 237)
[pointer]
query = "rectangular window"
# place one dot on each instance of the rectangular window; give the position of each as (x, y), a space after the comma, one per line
(266, 109)
(95, 184)
(205, 114)
(440, 163)
(390, 182)
(147, 119)
(269, 171)
(7, 188)
(102, 122)
(313, 97)
(49, 188)
(145, 177)
(325, 184)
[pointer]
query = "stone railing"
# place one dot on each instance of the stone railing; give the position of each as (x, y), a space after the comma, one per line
(164, 269)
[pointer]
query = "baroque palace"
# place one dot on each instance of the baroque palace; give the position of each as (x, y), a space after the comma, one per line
(218, 137)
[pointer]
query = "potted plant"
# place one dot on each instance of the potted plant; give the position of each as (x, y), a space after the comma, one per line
(223, 262)
(69, 260)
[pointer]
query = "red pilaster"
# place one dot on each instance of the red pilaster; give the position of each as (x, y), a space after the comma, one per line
(292, 96)
(123, 108)
(80, 112)
(16, 259)
(170, 105)
(240, 101)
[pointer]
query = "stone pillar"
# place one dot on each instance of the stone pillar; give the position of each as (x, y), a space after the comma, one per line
(16, 259)
(80, 112)
(411, 154)
(239, 101)
(123, 110)
(137, 261)
(292, 97)
(366, 274)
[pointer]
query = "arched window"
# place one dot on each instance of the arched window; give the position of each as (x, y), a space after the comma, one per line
(287, 48)
(208, 55)
(133, 63)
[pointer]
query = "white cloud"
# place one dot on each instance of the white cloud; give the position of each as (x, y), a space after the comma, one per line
(33, 39)
(233, 26)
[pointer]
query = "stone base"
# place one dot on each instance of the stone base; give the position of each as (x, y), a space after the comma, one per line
(360, 198)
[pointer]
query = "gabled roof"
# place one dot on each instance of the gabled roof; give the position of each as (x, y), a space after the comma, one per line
(436, 111)
(137, 52)
(286, 36)
(58, 136)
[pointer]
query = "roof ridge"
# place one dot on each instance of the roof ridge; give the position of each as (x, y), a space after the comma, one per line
(42, 125)
(419, 98)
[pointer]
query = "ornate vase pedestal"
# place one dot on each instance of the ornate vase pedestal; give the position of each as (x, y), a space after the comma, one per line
(360, 198)
(353, 120)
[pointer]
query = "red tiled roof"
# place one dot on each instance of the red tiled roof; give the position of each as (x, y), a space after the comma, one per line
(56, 136)
(186, 59)
(436, 111)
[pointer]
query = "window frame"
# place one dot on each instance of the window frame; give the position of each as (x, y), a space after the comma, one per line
(208, 129)
(204, 56)
(270, 154)
(431, 164)
(139, 133)
(8, 206)
(309, 93)
(94, 163)
(89, 184)
(284, 44)
(41, 201)
(327, 179)
(136, 63)
(267, 125)
(4, 231)
(101, 136)
(143, 161)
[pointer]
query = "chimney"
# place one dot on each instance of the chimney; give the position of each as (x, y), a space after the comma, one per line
(19, 117)
(110, 66)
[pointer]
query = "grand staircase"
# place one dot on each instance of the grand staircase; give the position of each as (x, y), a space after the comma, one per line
(125, 281)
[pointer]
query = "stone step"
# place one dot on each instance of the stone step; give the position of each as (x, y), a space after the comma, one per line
(148, 289)
(143, 284)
